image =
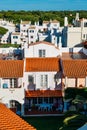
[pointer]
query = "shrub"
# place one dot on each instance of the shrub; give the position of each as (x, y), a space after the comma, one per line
(3, 30)
(73, 121)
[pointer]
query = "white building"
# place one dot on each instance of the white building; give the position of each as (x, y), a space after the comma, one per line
(32, 34)
(41, 49)
(74, 35)
(11, 83)
(15, 38)
(6, 38)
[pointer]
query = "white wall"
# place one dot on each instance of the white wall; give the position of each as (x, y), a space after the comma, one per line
(17, 40)
(33, 35)
(36, 75)
(12, 94)
(6, 50)
(32, 51)
(73, 36)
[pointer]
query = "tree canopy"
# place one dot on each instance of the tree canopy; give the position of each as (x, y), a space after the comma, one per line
(33, 16)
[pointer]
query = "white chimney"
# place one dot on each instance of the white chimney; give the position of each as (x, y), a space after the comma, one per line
(65, 21)
(77, 16)
(60, 46)
(60, 43)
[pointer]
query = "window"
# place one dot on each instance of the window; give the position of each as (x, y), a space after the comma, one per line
(15, 42)
(15, 37)
(24, 25)
(30, 79)
(84, 36)
(44, 81)
(31, 31)
(3, 40)
(55, 25)
(85, 24)
(46, 99)
(13, 83)
(34, 100)
(42, 53)
(40, 100)
(31, 36)
(5, 83)
(51, 100)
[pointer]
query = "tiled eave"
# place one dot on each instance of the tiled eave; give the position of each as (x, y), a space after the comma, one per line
(43, 93)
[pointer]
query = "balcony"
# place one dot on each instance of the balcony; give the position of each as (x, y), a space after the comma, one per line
(43, 102)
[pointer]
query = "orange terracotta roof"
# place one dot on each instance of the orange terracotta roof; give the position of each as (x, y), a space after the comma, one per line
(42, 64)
(10, 121)
(11, 68)
(75, 68)
(43, 93)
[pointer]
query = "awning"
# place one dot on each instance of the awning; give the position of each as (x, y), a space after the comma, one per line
(43, 93)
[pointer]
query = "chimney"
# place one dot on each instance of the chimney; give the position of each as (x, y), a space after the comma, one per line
(60, 43)
(77, 16)
(65, 21)
(60, 46)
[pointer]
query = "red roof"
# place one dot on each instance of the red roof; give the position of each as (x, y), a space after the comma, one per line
(75, 68)
(11, 68)
(10, 121)
(43, 93)
(42, 64)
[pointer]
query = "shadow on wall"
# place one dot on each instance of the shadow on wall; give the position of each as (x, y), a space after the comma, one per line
(31, 86)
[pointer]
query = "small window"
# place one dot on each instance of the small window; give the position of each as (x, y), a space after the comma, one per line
(34, 101)
(40, 100)
(55, 25)
(51, 100)
(13, 83)
(31, 36)
(84, 36)
(30, 79)
(24, 25)
(31, 31)
(15, 42)
(15, 37)
(3, 40)
(42, 53)
(5, 85)
(46, 99)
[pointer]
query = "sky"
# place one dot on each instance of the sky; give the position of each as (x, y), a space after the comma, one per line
(44, 5)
